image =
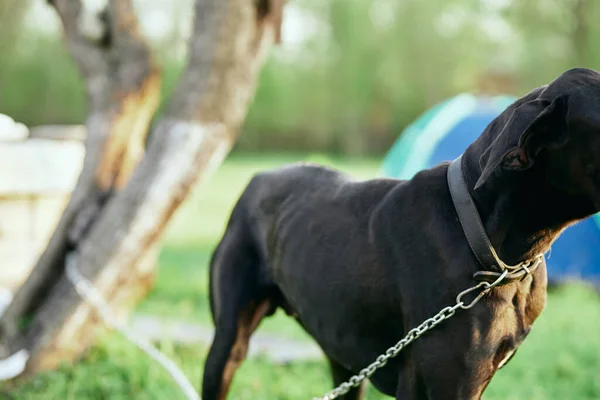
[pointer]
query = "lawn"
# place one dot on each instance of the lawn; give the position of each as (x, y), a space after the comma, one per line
(559, 360)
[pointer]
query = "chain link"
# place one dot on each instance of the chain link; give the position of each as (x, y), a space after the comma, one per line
(412, 335)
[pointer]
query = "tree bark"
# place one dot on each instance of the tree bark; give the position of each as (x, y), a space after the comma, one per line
(119, 209)
(123, 88)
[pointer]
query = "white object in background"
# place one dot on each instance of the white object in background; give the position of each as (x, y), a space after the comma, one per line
(90, 21)
(11, 130)
(14, 365)
(5, 299)
(39, 167)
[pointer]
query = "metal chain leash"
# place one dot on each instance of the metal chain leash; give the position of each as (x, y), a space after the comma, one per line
(414, 334)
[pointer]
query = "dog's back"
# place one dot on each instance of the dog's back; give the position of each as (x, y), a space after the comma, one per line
(291, 198)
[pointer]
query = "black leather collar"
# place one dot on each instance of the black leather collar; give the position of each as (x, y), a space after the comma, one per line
(477, 236)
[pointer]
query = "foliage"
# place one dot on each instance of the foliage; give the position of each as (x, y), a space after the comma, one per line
(362, 71)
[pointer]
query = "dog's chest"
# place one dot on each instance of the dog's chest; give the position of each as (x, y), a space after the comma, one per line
(513, 317)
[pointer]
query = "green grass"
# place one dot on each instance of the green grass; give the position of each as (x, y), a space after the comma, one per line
(115, 370)
(559, 360)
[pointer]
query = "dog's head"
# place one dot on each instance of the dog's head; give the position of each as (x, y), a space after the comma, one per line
(554, 131)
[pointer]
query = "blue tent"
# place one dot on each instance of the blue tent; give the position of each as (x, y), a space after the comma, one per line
(444, 131)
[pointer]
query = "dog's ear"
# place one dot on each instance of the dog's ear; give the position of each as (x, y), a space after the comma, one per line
(549, 129)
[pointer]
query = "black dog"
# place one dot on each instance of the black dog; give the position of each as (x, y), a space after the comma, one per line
(358, 264)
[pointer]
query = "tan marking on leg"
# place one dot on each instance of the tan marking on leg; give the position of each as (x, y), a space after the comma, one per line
(247, 324)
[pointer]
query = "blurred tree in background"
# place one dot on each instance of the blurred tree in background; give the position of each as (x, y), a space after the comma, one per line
(350, 74)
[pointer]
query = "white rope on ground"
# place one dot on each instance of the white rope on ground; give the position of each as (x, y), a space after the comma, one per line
(15, 364)
(93, 296)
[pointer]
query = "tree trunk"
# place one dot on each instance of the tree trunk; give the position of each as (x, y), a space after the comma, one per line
(119, 209)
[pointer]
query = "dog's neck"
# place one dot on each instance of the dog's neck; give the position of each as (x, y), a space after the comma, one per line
(523, 219)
